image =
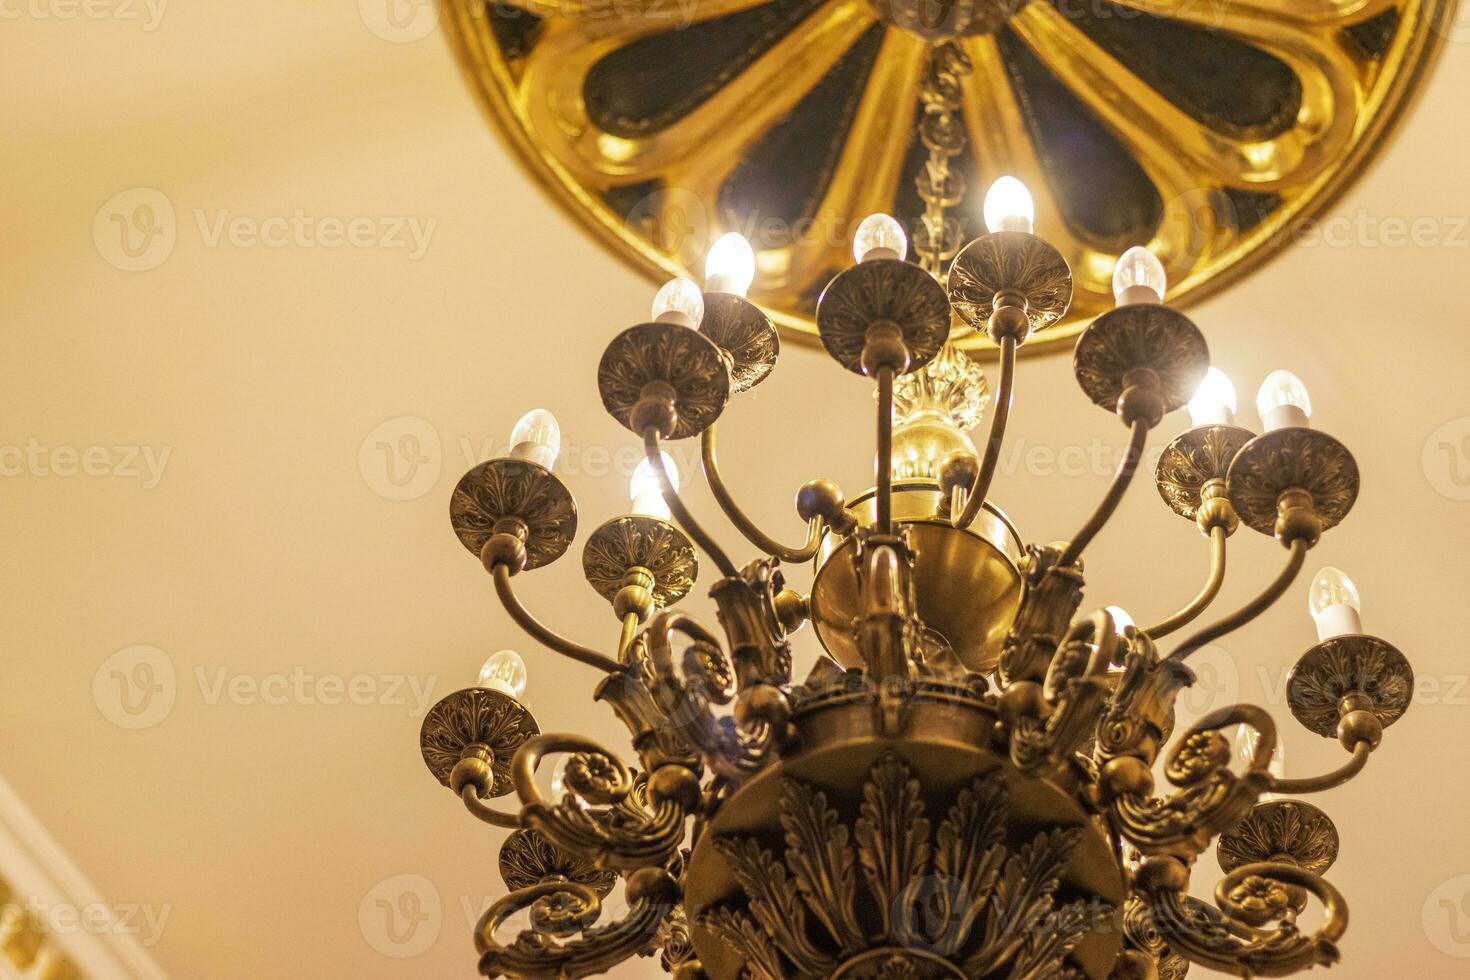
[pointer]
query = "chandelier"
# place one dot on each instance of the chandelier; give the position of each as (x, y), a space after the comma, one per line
(964, 786)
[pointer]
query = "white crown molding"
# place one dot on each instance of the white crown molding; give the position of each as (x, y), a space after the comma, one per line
(41, 873)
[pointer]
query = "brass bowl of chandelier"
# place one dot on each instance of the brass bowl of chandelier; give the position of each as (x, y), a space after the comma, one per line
(968, 580)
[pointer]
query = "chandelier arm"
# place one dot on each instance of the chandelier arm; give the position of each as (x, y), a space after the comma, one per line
(495, 818)
(885, 450)
(541, 633)
(1252, 609)
(1201, 602)
(998, 420)
(677, 508)
(1331, 780)
(1121, 479)
(816, 527)
(569, 906)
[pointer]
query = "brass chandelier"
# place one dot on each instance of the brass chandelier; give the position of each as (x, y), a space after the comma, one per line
(964, 787)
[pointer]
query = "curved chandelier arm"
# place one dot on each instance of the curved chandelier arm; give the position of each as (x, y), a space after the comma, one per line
(543, 634)
(1110, 501)
(677, 508)
(1233, 939)
(733, 749)
(885, 450)
(1251, 609)
(562, 908)
(816, 528)
(495, 818)
(1331, 780)
(627, 836)
(1218, 538)
(1076, 687)
(1000, 416)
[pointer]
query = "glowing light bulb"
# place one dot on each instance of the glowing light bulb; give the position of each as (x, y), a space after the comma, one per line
(1139, 278)
(504, 672)
(679, 301)
(1121, 619)
(1214, 400)
(1283, 402)
(730, 265)
(880, 236)
(536, 438)
(1334, 604)
(647, 490)
(1008, 206)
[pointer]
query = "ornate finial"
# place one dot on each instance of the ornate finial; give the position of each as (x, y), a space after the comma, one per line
(933, 409)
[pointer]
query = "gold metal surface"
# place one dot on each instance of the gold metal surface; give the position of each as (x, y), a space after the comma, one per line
(472, 717)
(858, 814)
(968, 583)
(1197, 457)
(1227, 194)
(1281, 830)
(883, 291)
(682, 364)
(1341, 667)
(742, 331)
(521, 493)
(639, 541)
(1139, 338)
(1287, 459)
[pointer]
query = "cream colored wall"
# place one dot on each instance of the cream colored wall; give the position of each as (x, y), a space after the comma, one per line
(230, 526)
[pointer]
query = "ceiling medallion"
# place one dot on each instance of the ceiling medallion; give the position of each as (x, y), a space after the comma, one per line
(963, 787)
(1205, 128)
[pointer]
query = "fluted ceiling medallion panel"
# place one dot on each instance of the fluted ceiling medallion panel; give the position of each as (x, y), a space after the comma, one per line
(1204, 130)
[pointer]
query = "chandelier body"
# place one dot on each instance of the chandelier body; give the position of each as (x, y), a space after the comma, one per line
(965, 787)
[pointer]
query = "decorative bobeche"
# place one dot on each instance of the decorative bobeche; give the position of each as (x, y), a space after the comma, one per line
(966, 787)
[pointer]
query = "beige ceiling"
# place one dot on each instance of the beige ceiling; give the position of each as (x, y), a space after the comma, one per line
(269, 821)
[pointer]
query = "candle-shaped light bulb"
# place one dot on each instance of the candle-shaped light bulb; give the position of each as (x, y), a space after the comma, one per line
(504, 672)
(1334, 604)
(536, 438)
(1121, 619)
(646, 489)
(730, 265)
(679, 301)
(1214, 400)
(1283, 402)
(1246, 740)
(1008, 206)
(880, 236)
(1139, 278)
